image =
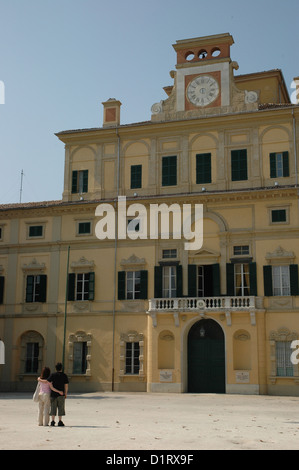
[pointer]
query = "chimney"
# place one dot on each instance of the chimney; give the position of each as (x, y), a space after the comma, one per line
(111, 113)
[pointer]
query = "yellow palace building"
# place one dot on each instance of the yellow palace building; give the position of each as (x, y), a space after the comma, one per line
(107, 281)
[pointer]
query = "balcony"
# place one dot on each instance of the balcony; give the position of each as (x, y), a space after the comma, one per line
(202, 306)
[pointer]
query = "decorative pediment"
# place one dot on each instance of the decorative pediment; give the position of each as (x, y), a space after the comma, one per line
(280, 255)
(34, 266)
(82, 264)
(205, 255)
(133, 262)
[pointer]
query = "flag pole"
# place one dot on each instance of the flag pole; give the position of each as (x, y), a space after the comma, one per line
(65, 305)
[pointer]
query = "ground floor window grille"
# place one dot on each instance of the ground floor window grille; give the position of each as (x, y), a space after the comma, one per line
(32, 355)
(283, 359)
(132, 358)
(79, 357)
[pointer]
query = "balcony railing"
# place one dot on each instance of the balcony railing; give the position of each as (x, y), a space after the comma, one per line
(201, 303)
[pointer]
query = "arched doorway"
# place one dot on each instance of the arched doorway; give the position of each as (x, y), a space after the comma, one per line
(206, 358)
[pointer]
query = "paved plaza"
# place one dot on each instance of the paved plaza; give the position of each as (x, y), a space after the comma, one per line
(142, 421)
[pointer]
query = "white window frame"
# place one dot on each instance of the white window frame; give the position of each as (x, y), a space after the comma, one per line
(169, 281)
(281, 276)
(244, 273)
(80, 296)
(132, 277)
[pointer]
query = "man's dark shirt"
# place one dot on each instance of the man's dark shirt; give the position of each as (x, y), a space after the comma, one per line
(58, 380)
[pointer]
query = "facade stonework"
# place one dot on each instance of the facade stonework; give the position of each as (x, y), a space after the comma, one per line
(146, 314)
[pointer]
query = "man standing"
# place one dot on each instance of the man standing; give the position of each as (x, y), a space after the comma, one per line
(60, 381)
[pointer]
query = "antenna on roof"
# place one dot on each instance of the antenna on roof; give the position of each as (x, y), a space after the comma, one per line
(21, 188)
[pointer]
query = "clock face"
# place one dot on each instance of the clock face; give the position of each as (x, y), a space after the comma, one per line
(203, 90)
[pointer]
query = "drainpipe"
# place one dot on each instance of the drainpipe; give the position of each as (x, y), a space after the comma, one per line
(115, 258)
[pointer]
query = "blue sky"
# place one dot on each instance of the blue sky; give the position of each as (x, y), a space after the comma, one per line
(60, 59)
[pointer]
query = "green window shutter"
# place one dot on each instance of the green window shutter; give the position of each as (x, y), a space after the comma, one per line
(91, 286)
(143, 284)
(179, 285)
(1, 289)
(216, 280)
(29, 288)
(71, 286)
(230, 282)
(75, 181)
(136, 176)
(169, 171)
(192, 270)
(121, 285)
(268, 289)
(285, 164)
(239, 165)
(85, 181)
(272, 165)
(253, 282)
(203, 168)
(43, 288)
(158, 282)
(294, 279)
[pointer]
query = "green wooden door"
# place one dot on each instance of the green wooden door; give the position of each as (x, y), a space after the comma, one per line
(206, 358)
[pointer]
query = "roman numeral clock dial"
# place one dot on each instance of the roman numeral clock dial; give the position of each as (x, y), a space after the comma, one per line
(203, 90)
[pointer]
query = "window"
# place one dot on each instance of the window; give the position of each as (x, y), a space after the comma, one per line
(81, 286)
(35, 231)
(79, 357)
(136, 176)
(279, 164)
(241, 279)
(281, 280)
(0, 233)
(169, 281)
(132, 358)
(200, 281)
(84, 228)
(31, 360)
(203, 280)
(169, 171)
(36, 287)
(241, 250)
(278, 215)
(284, 367)
(80, 181)
(239, 165)
(242, 282)
(203, 168)
(171, 253)
(133, 285)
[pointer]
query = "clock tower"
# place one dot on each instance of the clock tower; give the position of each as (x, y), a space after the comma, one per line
(203, 80)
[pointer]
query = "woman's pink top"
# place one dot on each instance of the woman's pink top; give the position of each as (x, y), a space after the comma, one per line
(44, 388)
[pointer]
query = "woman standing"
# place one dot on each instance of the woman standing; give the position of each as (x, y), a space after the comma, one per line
(44, 397)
